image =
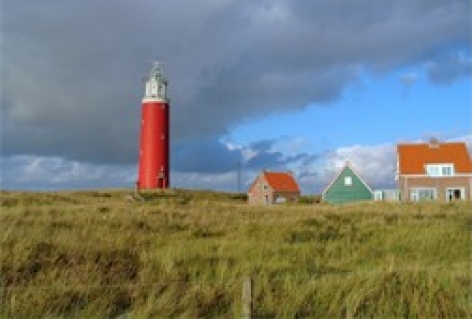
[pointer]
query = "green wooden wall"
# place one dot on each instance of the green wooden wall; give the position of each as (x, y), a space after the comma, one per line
(338, 192)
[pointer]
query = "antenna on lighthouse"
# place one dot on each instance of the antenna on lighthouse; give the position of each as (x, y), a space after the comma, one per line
(156, 69)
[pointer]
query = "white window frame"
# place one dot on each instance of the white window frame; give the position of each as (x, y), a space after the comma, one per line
(452, 189)
(417, 192)
(378, 195)
(348, 181)
(280, 199)
(440, 170)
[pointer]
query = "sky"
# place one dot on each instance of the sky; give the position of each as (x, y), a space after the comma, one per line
(279, 85)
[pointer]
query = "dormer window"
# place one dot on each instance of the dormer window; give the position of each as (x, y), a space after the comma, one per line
(439, 170)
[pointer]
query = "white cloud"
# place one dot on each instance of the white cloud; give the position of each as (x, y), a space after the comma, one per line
(220, 181)
(52, 173)
(408, 79)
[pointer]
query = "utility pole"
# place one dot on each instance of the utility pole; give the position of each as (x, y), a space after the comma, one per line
(238, 176)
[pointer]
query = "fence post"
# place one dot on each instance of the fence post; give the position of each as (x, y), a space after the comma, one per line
(3, 300)
(247, 298)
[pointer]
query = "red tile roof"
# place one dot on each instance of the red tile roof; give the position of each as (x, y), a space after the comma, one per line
(281, 181)
(413, 157)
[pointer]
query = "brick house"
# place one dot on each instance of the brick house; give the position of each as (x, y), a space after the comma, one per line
(434, 171)
(273, 188)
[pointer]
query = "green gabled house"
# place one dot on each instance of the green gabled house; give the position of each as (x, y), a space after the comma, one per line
(347, 187)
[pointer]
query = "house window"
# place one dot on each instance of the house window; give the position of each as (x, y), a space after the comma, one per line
(378, 195)
(455, 194)
(438, 170)
(348, 180)
(447, 170)
(280, 199)
(422, 194)
(264, 187)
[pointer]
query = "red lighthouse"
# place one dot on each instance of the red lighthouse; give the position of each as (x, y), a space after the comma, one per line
(153, 166)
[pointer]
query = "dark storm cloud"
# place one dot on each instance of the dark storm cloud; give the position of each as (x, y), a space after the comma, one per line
(265, 156)
(267, 160)
(206, 155)
(262, 146)
(450, 68)
(212, 156)
(72, 70)
(273, 160)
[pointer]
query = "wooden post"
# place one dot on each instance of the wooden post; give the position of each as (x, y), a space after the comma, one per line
(247, 298)
(3, 300)
(137, 189)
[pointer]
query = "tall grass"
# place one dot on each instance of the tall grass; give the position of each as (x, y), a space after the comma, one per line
(184, 254)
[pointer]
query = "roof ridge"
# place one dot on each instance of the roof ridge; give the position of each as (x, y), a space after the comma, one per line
(428, 143)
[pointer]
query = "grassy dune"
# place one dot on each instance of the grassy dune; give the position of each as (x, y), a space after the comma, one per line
(184, 254)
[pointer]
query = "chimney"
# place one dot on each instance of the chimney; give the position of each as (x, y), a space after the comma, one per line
(433, 143)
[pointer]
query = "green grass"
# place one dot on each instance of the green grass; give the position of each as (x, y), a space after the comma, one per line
(185, 253)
